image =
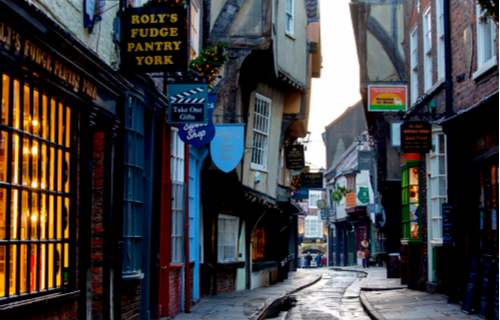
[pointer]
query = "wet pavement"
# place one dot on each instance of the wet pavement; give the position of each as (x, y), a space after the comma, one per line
(329, 294)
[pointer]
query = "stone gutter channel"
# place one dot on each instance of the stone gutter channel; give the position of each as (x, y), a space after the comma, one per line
(273, 306)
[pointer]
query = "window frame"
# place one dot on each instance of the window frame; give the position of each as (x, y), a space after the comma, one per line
(440, 39)
(179, 197)
(427, 35)
(483, 22)
(414, 64)
(261, 131)
(227, 238)
(408, 202)
(313, 227)
(44, 190)
(133, 198)
(289, 20)
(437, 159)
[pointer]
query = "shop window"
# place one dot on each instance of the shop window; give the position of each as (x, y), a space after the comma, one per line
(410, 200)
(259, 244)
(488, 207)
(179, 193)
(133, 187)
(227, 238)
(261, 123)
(35, 231)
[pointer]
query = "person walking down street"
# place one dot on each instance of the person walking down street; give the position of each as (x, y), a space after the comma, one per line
(365, 247)
(323, 261)
(318, 260)
(308, 259)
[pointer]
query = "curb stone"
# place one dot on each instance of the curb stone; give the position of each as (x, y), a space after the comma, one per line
(274, 302)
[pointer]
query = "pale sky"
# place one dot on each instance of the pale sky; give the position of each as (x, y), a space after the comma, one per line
(338, 87)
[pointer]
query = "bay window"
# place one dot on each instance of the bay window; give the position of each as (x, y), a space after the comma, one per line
(35, 176)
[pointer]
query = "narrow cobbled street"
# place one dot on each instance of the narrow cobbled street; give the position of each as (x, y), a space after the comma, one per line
(327, 299)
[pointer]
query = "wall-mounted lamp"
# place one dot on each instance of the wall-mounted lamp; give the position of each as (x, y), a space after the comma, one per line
(257, 177)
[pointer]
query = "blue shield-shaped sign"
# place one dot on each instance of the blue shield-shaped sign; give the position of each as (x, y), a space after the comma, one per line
(198, 134)
(227, 146)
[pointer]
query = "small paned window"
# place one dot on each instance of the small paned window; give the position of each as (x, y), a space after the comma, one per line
(486, 40)
(133, 199)
(313, 227)
(227, 238)
(427, 48)
(289, 17)
(179, 197)
(35, 177)
(414, 65)
(411, 200)
(440, 38)
(437, 186)
(261, 124)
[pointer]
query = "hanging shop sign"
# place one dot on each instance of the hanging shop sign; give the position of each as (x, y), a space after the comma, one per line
(337, 196)
(187, 103)
(416, 137)
(387, 98)
(321, 204)
(304, 205)
(364, 159)
(198, 134)
(300, 194)
(154, 39)
(350, 199)
(227, 145)
(312, 180)
(363, 195)
(294, 157)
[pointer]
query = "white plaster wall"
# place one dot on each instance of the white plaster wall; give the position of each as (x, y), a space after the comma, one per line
(269, 177)
(342, 182)
(378, 64)
(69, 14)
(292, 51)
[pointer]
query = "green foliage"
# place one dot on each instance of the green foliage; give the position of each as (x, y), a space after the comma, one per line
(209, 62)
(491, 7)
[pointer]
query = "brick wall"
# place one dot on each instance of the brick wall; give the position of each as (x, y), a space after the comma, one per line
(226, 281)
(131, 300)
(468, 91)
(97, 225)
(175, 302)
(60, 310)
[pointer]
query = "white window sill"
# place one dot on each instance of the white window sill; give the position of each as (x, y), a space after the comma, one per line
(404, 242)
(257, 167)
(436, 242)
(434, 87)
(493, 62)
(290, 35)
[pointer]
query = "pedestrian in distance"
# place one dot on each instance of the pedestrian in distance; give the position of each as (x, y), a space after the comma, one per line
(365, 248)
(308, 259)
(323, 261)
(318, 260)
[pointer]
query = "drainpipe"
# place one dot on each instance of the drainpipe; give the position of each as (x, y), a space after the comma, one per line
(448, 84)
(187, 274)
